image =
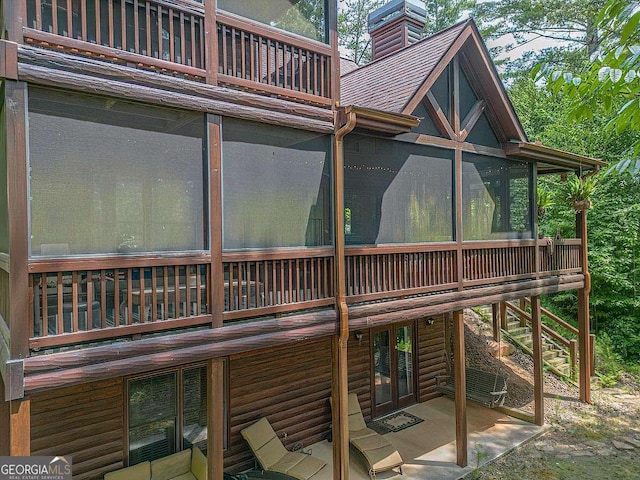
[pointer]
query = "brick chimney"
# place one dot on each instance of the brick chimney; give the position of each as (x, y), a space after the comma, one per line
(396, 25)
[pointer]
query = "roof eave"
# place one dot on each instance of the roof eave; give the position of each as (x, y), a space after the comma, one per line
(552, 160)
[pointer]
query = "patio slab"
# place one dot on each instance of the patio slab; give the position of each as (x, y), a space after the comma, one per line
(429, 448)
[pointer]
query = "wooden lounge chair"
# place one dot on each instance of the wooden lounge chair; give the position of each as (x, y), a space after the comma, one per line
(272, 455)
(378, 452)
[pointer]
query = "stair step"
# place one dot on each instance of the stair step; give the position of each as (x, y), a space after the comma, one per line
(548, 354)
(519, 331)
(558, 361)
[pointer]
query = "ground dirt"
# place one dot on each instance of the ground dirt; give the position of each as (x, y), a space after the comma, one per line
(600, 441)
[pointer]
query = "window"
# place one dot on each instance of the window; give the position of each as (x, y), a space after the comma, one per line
(108, 176)
(497, 198)
(304, 17)
(163, 419)
(276, 185)
(397, 192)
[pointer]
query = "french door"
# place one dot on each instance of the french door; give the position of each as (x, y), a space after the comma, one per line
(393, 369)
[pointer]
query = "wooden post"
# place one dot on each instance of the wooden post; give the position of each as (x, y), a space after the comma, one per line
(538, 380)
(215, 419)
(504, 319)
(20, 428)
(216, 288)
(495, 321)
(523, 307)
(14, 15)
(210, 42)
(15, 95)
(583, 313)
(461, 388)
(332, 21)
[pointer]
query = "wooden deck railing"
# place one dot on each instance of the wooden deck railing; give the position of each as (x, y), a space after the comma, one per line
(263, 283)
(513, 260)
(377, 272)
(74, 305)
(254, 56)
(561, 255)
(169, 36)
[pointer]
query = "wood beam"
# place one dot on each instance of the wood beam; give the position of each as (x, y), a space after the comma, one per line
(215, 419)
(214, 124)
(538, 379)
(470, 120)
(211, 42)
(438, 116)
(584, 344)
(495, 321)
(16, 134)
(461, 388)
(89, 84)
(20, 427)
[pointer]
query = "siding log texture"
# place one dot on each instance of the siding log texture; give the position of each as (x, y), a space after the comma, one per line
(359, 352)
(431, 357)
(85, 422)
(291, 386)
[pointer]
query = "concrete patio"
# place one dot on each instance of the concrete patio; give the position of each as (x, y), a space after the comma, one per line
(429, 449)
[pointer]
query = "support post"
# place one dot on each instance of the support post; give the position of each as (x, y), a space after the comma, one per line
(216, 288)
(215, 419)
(523, 307)
(503, 316)
(461, 388)
(20, 427)
(584, 345)
(495, 321)
(538, 380)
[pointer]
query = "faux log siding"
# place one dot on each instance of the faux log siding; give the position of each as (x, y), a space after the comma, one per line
(290, 386)
(360, 370)
(431, 357)
(84, 421)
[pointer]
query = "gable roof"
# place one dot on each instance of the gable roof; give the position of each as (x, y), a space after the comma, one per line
(347, 65)
(388, 83)
(398, 82)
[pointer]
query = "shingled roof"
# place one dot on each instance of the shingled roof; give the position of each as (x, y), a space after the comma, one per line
(388, 83)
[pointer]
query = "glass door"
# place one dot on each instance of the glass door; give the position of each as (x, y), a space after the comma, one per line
(393, 368)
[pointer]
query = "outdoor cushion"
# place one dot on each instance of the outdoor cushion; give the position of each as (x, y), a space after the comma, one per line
(141, 471)
(356, 421)
(185, 476)
(198, 464)
(264, 442)
(378, 452)
(272, 455)
(307, 467)
(384, 458)
(167, 468)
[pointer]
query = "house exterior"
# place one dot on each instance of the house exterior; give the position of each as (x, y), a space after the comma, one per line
(204, 223)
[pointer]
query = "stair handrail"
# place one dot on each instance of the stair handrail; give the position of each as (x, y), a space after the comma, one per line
(555, 318)
(548, 330)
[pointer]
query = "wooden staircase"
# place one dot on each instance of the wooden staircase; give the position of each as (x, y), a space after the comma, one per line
(559, 351)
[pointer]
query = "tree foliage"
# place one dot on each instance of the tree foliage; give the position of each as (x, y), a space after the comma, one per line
(614, 220)
(568, 25)
(353, 29)
(611, 80)
(444, 13)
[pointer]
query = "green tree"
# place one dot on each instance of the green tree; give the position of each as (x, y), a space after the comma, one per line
(614, 220)
(444, 13)
(569, 25)
(610, 80)
(353, 28)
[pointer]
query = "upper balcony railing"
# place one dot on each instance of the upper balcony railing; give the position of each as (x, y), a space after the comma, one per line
(85, 300)
(169, 36)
